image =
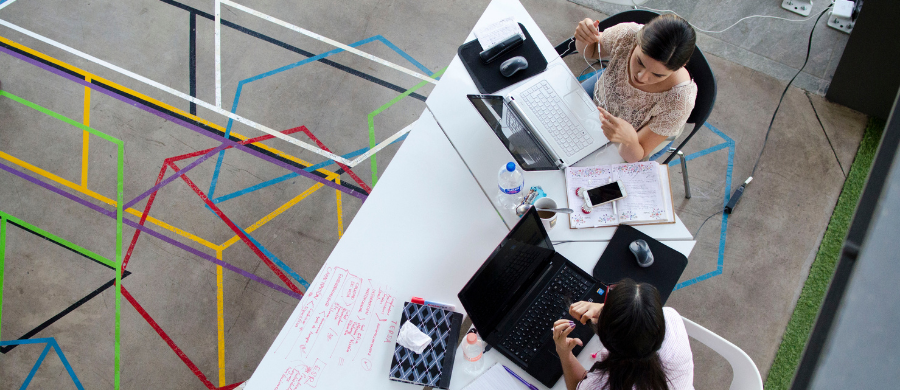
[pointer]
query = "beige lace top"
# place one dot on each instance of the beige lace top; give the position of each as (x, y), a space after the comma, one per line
(664, 113)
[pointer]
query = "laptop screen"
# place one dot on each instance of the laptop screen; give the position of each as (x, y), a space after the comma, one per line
(523, 146)
(507, 273)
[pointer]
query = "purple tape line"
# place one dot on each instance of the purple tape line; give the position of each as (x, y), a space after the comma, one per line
(185, 124)
(175, 176)
(112, 214)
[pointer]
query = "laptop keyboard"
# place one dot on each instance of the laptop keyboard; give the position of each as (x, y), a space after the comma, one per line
(544, 101)
(533, 328)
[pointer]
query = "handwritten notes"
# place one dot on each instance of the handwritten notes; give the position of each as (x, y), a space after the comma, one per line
(647, 197)
(344, 320)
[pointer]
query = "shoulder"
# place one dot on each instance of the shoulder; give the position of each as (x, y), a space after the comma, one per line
(675, 352)
(621, 35)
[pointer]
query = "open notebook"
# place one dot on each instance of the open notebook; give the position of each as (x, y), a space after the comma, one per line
(648, 200)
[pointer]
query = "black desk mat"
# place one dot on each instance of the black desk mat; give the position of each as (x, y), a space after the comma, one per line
(617, 262)
(487, 77)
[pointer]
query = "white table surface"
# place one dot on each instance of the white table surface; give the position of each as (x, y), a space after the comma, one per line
(584, 255)
(400, 243)
(484, 154)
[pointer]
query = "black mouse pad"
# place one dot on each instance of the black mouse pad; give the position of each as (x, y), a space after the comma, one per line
(617, 262)
(487, 77)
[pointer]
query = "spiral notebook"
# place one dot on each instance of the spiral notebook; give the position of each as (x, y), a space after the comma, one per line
(648, 195)
(434, 365)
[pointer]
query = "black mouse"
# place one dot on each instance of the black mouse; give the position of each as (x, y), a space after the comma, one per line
(513, 65)
(641, 252)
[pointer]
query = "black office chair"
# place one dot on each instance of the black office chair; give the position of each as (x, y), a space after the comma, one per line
(698, 68)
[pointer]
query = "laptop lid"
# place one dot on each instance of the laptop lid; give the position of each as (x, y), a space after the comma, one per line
(502, 281)
(512, 132)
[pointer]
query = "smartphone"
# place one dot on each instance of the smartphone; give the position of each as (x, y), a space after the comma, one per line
(604, 194)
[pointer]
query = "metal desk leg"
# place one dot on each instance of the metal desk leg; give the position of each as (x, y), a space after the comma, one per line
(684, 173)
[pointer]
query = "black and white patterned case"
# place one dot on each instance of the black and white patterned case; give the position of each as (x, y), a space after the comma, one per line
(434, 365)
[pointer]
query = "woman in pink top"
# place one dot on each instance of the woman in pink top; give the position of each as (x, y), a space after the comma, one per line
(644, 95)
(645, 346)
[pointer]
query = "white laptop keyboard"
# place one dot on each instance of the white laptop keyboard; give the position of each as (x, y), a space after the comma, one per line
(544, 101)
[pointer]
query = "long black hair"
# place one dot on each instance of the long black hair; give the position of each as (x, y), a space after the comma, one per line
(668, 39)
(632, 327)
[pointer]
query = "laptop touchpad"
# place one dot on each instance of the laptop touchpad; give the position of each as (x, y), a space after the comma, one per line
(582, 106)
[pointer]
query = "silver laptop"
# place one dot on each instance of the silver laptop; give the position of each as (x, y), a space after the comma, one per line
(548, 122)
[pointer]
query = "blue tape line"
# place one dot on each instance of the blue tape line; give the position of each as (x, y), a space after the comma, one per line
(729, 170)
(35, 367)
(284, 267)
(404, 55)
(51, 342)
(237, 94)
(65, 362)
(293, 174)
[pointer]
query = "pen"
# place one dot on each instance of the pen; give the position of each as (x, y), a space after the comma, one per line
(445, 306)
(530, 386)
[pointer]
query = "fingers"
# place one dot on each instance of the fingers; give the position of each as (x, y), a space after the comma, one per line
(579, 310)
(603, 111)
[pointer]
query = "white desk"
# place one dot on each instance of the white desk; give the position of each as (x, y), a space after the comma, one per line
(483, 152)
(427, 251)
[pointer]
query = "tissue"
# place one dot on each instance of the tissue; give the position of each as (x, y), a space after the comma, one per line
(412, 338)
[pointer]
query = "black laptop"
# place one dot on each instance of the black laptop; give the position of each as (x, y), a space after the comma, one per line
(520, 291)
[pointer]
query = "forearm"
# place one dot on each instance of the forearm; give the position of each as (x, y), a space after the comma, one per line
(589, 49)
(573, 371)
(631, 151)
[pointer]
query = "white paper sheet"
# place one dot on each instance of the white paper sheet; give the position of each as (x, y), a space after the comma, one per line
(498, 32)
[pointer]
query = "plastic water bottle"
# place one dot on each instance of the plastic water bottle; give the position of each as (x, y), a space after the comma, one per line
(511, 183)
(473, 352)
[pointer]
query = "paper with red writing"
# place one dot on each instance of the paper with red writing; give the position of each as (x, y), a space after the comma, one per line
(340, 325)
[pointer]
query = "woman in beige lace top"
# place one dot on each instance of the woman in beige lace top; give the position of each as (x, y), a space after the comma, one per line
(644, 95)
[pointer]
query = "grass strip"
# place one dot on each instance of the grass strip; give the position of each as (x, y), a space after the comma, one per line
(801, 323)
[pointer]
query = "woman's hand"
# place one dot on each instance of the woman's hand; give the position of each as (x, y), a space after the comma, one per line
(617, 129)
(564, 345)
(587, 37)
(584, 311)
(623, 133)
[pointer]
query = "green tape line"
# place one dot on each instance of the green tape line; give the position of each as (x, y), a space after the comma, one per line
(2, 266)
(62, 118)
(120, 201)
(371, 119)
(57, 239)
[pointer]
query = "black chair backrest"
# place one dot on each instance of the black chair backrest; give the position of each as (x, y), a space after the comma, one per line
(697, 66)
(706, 87)
(640, 16)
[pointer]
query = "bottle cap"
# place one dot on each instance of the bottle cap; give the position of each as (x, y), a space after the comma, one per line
(471, 338)
(510, 166)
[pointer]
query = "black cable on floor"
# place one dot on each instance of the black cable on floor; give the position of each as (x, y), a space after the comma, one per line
(808, 47)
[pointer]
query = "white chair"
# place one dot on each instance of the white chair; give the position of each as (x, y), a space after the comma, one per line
(746, 375)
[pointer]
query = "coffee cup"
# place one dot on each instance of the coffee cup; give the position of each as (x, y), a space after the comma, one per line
(548, 218)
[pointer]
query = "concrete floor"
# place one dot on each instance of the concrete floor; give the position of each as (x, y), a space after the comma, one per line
(771, 239)
(772, 46)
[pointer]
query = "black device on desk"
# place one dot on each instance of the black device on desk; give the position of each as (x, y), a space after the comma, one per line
(520, 291)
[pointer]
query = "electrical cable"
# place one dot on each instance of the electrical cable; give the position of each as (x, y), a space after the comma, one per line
(704, 223)
(729, 27)
(772, 121)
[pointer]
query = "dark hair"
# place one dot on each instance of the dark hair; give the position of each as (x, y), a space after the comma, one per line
(631, 326)
(668, 39)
